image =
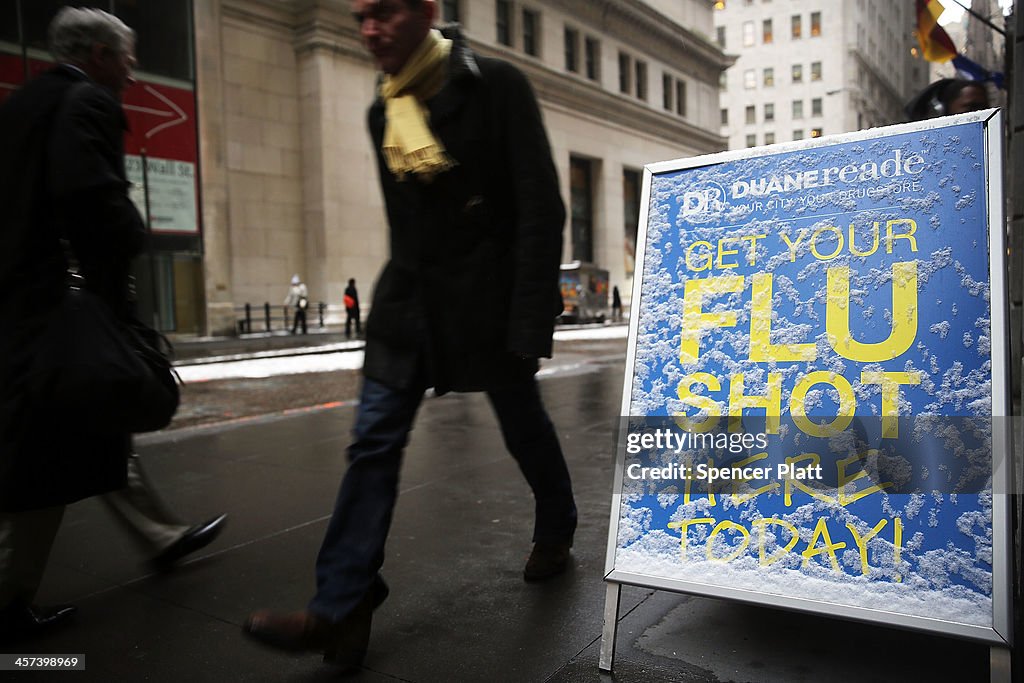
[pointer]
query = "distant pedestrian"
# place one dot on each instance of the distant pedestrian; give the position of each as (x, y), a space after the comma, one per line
(298, 296)
(467, 302)
(616, 304)
(62, 176)
(352, 309)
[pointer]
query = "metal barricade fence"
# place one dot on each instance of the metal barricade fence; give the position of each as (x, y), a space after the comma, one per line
(269, 318)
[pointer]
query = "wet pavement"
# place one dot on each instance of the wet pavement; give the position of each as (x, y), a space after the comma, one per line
(459, 609)
(207, 349)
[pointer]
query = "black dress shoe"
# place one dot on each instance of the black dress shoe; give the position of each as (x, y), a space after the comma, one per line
(547, 559)
(192, 540)
(19, 620)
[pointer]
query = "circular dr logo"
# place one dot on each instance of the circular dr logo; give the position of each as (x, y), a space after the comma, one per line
(703, 201)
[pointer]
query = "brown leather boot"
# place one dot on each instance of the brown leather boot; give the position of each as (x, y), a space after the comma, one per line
(547, 559)
(343, 643)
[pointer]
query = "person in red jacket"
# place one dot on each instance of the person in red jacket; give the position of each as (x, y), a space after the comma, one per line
(352, 309)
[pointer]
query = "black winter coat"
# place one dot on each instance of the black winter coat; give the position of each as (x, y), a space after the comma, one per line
(61, 174)
(469, 297)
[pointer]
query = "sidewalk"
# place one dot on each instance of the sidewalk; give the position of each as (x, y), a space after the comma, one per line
(200, 350)
(189, 350)
(459, 610)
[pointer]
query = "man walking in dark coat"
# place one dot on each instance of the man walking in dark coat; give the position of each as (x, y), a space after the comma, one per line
(476, 225)
(62, 176)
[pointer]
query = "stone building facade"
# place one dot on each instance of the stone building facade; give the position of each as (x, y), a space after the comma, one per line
(806, 68)
(288, 181)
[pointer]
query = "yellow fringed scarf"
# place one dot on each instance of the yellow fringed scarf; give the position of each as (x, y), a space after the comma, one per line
(409, 144)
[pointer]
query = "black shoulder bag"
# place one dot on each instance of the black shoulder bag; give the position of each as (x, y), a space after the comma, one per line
(100, 372)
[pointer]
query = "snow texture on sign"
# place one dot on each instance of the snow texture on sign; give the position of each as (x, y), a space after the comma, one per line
(939, 566)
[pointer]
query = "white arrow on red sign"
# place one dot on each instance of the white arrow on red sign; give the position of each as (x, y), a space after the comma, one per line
(182, 117)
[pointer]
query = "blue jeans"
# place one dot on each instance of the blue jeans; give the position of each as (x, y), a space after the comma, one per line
(353, 547)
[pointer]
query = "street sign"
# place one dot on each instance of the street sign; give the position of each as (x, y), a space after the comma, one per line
(816, 387)
(161, 129)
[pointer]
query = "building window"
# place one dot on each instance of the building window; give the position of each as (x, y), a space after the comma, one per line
(798, 134)
(720, 36)
(572, 49)
(641, 80)
(724, 116)
(815, 71)
(766, 31)
(815, 23)
(681, 98)
(816, 106)
(798, 73)
(816, 132)
(10, 32)
(631, 214)
(769, 138)
(723, 81)
(748, 34)
(503, 22)
(768, 77)
(450, 11)
(581, 191)
(531, 23)
(164, 29)
(769, 111)
(593, 56)
(666, 92)
(625, 73)
(749, 79)
(796, 27)
(751, 140)
(751, 115)
(798, 109)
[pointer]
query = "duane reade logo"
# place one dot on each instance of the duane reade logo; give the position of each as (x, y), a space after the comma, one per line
(704, 201)
(895, 165)
(707, 200)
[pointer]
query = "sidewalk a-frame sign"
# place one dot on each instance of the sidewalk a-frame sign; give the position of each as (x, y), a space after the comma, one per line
(815, 396)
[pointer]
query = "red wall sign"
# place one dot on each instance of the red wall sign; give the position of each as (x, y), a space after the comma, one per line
(162, 125)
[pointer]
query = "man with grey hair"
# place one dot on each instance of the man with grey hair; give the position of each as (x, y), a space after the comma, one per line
(74, 33)
(62, 177)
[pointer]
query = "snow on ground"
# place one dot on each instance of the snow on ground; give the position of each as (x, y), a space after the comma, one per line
(313, 360)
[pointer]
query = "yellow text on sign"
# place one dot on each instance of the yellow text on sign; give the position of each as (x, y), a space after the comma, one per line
(823, 243)
(697, 321)
(771, 401)
(771, 530)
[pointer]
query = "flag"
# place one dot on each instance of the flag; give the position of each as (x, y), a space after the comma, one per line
(936, 44)
(972, 71)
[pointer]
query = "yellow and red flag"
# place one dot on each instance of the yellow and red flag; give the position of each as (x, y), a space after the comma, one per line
(936, 45)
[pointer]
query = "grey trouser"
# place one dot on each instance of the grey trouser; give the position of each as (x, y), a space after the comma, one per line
(27, 537)
(142, 513)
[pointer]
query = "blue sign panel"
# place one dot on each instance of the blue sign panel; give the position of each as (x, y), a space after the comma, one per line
(811, 387)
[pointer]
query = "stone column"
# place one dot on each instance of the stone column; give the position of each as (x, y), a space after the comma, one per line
(213, 180)
(343, 216)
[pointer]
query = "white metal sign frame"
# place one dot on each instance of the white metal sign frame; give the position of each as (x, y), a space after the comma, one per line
(999, 635)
